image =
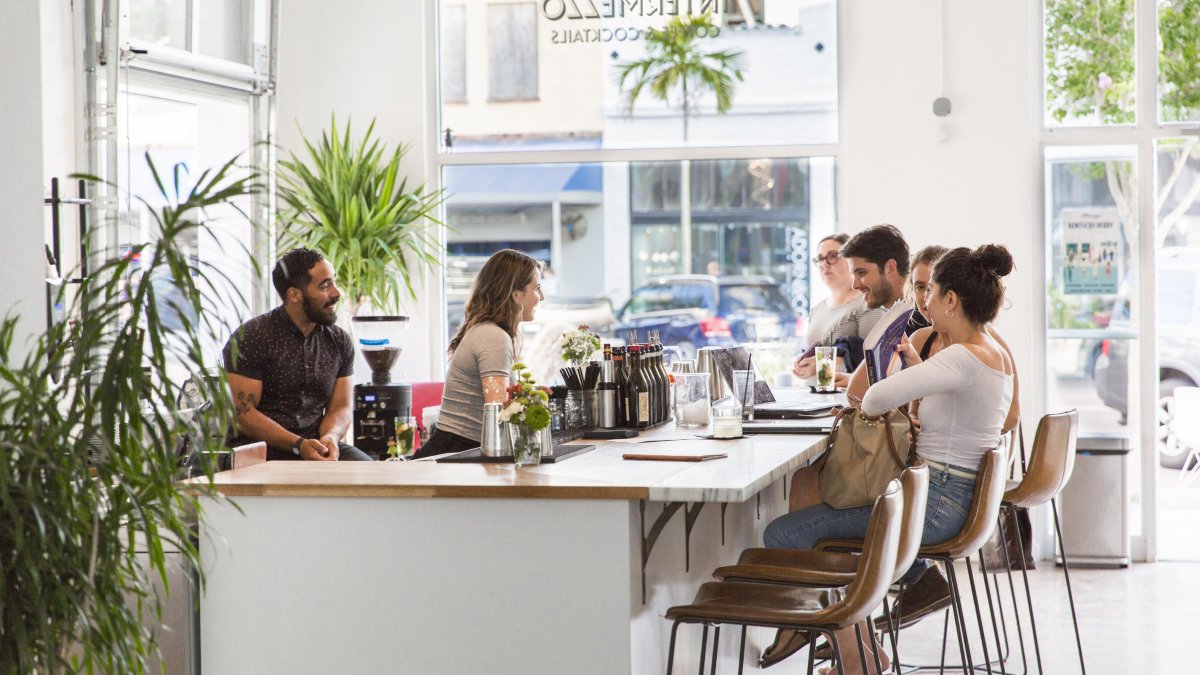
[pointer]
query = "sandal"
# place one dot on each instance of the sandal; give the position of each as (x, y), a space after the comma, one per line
(787, 642)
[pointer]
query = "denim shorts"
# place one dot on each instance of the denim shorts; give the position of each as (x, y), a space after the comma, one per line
(945, 514)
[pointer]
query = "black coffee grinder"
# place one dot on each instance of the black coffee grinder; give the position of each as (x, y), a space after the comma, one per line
(378, 405)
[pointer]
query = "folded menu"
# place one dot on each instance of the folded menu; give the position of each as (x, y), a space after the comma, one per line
(673, 458)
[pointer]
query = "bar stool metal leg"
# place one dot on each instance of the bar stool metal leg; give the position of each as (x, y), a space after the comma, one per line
(742, 652)
(1067, 576)
(893, 632)
(837, 652)
(1037, 649)
(987, 657)
(1012, 591)
(671, 648)
(716, 641)
(960, 620)
(703, 649)
(812, 652)
(1002, 649)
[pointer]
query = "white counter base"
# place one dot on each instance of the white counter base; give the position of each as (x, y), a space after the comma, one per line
(520, 586)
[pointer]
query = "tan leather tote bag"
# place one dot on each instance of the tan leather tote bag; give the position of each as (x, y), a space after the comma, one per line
(863, 455)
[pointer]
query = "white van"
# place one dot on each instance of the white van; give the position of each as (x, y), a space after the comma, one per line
(1178, 289)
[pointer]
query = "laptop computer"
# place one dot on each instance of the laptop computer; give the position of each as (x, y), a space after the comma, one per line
(784, 404)
(817, 425)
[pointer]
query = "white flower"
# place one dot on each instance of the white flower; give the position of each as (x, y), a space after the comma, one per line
(511, 410)
(1103, 81)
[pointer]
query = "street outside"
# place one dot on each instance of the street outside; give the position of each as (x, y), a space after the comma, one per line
(1178, 502)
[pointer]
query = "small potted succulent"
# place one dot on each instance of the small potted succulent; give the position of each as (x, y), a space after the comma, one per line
(527, 417)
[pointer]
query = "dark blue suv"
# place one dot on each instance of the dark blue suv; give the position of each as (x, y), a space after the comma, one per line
(698, 310)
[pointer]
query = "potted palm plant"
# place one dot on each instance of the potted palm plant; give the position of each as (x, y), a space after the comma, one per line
(674, 59)
(347, 200)
(89, 472)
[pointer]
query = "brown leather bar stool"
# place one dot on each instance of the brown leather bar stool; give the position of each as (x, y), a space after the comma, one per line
(981, 521)
(1051, 460)
(833, 568)
(817, 610)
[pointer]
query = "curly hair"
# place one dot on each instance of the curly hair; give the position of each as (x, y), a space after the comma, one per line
(491, 297)
(293, 270)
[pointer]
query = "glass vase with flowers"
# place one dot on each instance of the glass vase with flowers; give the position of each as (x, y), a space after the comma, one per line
(526, 414)
(578, 345)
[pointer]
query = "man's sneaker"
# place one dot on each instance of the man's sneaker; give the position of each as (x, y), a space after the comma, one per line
(923, 597)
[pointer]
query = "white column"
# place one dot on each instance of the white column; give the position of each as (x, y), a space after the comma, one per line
(22, 215)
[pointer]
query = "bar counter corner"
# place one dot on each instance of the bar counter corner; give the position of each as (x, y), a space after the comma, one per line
(419, 567)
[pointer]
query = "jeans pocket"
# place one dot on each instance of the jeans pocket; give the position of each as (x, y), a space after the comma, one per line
(944, 520)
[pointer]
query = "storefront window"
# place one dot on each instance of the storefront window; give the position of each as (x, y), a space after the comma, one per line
(605, 230)
(555, 68)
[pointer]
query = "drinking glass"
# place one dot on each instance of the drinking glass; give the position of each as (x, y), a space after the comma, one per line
(743, 388)
(691, 399)
(405, 439)
(726, 419)
(826, 368)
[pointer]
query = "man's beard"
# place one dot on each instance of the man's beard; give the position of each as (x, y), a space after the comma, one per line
(316, 312)
(880, 295)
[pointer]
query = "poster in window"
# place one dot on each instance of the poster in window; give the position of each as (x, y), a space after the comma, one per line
(1091, 244)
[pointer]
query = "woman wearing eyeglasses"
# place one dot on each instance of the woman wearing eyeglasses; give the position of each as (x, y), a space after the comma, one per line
(843, 314)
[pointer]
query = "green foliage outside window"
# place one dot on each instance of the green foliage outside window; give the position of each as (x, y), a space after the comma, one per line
(1090, 75)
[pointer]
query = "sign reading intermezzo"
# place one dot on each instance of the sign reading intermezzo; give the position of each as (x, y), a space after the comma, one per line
(1091, 252)
(568, 13)
(576, 10)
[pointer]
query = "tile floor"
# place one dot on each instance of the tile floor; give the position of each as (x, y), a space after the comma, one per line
(1140, 620)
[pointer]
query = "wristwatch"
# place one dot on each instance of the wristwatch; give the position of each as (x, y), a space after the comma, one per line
(296, 445)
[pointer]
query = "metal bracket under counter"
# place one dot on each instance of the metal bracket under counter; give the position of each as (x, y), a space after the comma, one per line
(691, 514)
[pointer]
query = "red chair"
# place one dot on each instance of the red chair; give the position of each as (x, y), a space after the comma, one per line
(424, 395)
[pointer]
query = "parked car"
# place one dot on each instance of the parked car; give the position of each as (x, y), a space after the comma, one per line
(1178, 286)
(698, 310)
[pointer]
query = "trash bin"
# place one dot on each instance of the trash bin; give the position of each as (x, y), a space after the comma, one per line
(1094, 503)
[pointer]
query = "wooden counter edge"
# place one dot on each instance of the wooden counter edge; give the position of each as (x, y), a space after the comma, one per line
(432, 491)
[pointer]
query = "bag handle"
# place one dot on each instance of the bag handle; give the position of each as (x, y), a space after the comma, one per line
(887, 431)
(838, 418)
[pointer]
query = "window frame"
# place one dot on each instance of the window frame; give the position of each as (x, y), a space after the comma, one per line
(1142, 134)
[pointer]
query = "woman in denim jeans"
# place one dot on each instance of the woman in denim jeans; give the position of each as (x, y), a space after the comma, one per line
(966, 393)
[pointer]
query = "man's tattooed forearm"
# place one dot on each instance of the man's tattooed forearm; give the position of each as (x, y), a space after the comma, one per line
(244, 402)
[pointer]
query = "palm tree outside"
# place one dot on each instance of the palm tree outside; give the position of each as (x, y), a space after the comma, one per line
(674, 60)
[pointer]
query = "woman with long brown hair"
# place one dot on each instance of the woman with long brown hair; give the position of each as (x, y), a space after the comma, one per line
(483, 350)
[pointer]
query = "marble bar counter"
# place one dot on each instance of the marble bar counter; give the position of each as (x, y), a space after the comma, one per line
(421, 567)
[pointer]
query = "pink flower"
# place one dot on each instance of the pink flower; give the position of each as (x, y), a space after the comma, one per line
(1103, 81)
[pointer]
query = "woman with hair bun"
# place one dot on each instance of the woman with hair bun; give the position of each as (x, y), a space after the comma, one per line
(483, 350)
(928, 341)
(966, 391)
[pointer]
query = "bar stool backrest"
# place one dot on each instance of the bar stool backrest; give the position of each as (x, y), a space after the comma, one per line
(877, 564)
(985, 506)
(1051, 460)
(915, 483)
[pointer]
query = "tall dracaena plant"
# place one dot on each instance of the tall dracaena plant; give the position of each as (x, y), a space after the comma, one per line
(348, 201)
(674, 60)
(88, 470)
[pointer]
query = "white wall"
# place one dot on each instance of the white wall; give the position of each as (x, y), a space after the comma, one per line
(363, 60)
(22, 261)
(980, 184)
